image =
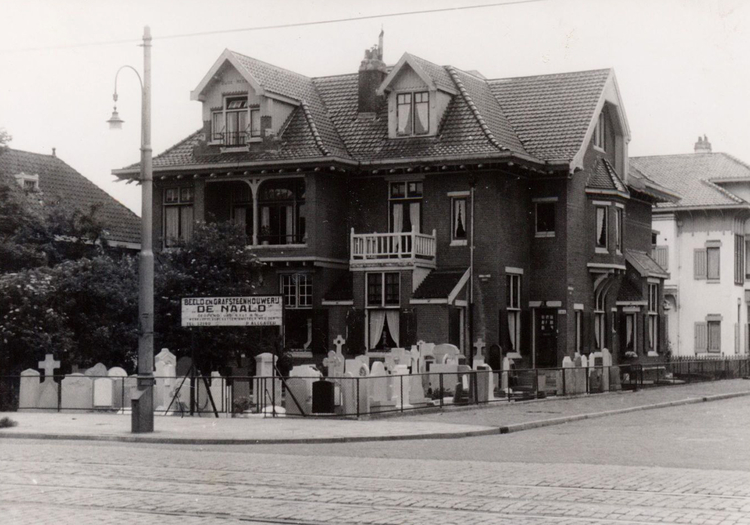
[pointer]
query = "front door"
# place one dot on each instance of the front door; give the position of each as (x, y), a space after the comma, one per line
(546, 338)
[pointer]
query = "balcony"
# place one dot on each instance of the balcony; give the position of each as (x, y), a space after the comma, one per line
(406, 249)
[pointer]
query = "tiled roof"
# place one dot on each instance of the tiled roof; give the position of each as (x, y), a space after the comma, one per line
(438, 284)
(58, 182)
(544, 117)
(604, 177)
(644, 264)
(551, 113)
(690, 176)
(629, 292)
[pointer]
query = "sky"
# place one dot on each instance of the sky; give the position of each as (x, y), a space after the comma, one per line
(683, 66)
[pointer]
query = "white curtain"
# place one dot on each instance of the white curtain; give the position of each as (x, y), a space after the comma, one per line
(186, 222)
(629, 322)
(172, 224)
(414, 212)
(393, 328)
(397, 226)
(601, 235)
(377, 321)
(265, 219)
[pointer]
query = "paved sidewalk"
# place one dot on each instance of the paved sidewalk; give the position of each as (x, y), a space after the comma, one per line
(496, 418)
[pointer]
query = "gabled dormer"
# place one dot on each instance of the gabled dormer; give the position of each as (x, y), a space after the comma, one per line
(418, 92)
(608, 130)
(238, 108)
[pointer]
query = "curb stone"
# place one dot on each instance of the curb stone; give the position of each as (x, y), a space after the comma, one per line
(482, 431)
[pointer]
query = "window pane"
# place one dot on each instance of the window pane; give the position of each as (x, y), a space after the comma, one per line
(305, 290)
(601, 226)
(421, 113)
(398, 189)
(288, 290)
(374, 289)
(392, 289)
(403, 114)
(217, 125)
(171, 195)
(186, 222)
(255, 123)
(236, 103)
(459, 218)
(171, 224)
(415, 189)
(545, 217)
(714, 336)
(186, 194)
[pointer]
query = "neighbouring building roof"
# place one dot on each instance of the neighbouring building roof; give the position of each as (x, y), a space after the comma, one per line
(439, 284)
(551, 113)
(541, 119)
(695, 177)
(58, 182)
(645, 265)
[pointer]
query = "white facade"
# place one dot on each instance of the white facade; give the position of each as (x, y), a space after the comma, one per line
(694, 299)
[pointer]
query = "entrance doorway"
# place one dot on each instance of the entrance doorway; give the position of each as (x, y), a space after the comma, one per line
(546, 338)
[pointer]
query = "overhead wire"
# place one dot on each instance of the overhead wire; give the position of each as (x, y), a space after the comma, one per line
(274, 26)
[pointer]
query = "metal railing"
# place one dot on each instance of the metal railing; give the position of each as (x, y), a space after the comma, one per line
(237, 396)
(373, 247)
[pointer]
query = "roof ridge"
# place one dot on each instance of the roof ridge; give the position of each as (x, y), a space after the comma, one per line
(465, 94)
(274, 66)
(499, 79)
(735, 159)
(722, 190)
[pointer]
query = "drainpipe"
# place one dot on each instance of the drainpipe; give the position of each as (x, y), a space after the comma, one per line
(472, 186)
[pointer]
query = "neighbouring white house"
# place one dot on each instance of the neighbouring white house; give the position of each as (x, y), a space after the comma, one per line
(702, 241)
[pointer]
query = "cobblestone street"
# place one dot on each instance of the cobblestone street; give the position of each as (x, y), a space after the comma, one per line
(501, 480)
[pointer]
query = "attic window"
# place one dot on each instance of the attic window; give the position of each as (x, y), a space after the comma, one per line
(413, 113)
(600, 135)
(235, 123)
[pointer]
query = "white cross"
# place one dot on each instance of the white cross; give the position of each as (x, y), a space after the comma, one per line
(339, 342)
(49, 365)
(479, 346)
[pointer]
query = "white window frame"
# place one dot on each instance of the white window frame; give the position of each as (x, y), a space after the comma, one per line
(412, 105)
(513, 308)
(600, 320)
(301, 284)
(601, 248)
(459, 241)
(619, 225)
(653, 317)
(252, 130)
(382, 304)
(185, 199)
(600, 135)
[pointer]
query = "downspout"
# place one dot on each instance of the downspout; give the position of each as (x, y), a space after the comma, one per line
(472, 186)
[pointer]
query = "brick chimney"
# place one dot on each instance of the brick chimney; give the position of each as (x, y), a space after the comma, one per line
(372, 72)
(703, 145)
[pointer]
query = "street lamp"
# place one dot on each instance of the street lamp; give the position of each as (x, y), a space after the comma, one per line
(142, 419)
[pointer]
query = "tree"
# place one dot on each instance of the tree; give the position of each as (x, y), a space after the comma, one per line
(216, 261)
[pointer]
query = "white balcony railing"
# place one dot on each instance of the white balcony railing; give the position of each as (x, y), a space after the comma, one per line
(409, 247)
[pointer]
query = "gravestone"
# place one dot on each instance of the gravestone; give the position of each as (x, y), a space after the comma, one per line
(357, 368)
(98, 370)
(380, 386)
(29, 389)
(240, 382)
(118, 376)
(182, 368)
(485, 384)
(479, 358)
(323, 393)
(401, 386)
(48, 390)
(165, 374)
(131, 389)
(466, 378)
(77, 392)
(266, 386)
(349, 395)
(218, 387)
(103, 393)
(301, 379)
(449, 375)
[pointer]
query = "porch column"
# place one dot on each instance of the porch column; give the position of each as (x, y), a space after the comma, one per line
(254, 185)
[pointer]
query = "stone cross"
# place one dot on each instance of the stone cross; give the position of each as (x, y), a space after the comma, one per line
(339, 342)
(479, 347)
(335, 363)
(49, 365)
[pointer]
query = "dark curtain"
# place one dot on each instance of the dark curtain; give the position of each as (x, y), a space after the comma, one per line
(355, 328)
(408, 329)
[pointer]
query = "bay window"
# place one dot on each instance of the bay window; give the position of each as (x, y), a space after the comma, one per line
(383, 300)
(235, 122)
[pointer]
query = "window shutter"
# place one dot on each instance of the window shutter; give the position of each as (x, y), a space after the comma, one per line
(355, 328)
(589, 344)
(714, 337)
(701, 338)
(699, 263)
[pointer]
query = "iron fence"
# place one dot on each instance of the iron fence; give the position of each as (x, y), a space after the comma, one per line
(243, 396)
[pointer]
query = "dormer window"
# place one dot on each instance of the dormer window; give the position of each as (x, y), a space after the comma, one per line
(29, 183)
(413, 113)
(600, 135)
(235, 123)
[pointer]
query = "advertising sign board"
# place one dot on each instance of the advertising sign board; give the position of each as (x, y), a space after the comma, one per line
(252, 310)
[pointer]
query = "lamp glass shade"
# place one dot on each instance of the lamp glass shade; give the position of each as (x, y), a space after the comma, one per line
(115, 122)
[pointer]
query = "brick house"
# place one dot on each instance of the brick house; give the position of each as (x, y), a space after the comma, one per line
(702, 240)
(53, 181)
(422, 202)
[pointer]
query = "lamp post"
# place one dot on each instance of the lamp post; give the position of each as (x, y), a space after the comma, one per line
(142, 419)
